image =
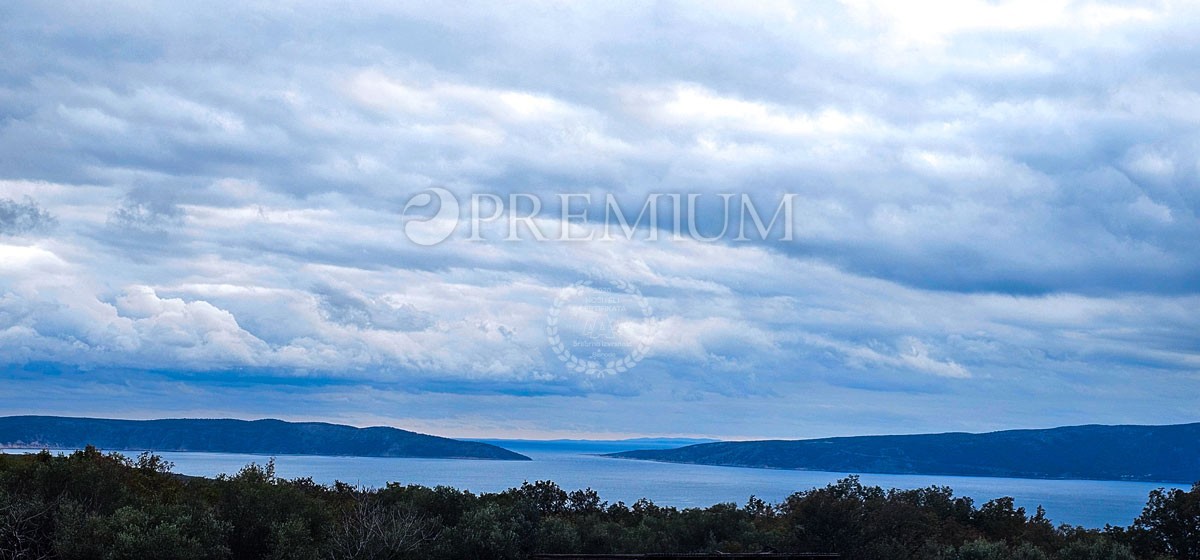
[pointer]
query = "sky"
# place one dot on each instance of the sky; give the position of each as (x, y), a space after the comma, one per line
(203, 213)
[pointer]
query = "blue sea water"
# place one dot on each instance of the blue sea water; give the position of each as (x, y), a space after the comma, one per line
(1077, 502)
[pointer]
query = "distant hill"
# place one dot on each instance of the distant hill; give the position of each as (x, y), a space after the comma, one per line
(590, 446)
(1142, 453)
(266, 437)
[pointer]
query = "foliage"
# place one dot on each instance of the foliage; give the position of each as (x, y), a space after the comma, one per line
(1170, 524)
(106, 506)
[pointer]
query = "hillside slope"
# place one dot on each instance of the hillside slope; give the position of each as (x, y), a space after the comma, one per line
(238, 436)
(1144, 453)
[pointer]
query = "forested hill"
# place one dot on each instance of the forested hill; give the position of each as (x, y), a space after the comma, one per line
(1144, 453)
(265, 437)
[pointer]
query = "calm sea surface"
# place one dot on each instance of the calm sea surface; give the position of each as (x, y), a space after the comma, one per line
(1077, 502)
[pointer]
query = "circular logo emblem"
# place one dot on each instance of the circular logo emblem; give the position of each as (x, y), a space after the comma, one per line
(430, 229)
(599, 327)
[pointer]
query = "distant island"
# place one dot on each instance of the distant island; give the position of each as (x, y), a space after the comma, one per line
(267, 437)
(592, 446)
(1135, 453)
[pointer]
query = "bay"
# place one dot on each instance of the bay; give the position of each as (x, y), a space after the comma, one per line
(1087, 503)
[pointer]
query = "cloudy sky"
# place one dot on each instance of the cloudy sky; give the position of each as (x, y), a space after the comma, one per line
(997, 213)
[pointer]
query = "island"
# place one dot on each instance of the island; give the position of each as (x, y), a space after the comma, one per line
(1093, 452)
(263, 437)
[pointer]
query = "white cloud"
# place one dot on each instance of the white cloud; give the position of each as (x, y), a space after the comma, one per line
(990, 195)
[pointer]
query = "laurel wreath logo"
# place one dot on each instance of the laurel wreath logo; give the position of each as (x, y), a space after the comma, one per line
(592, 367)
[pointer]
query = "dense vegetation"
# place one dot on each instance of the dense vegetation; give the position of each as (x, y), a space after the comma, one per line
(1149, 453)
(238, 436)
(91, 505)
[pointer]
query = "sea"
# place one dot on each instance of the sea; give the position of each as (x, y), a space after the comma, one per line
(1086, 503)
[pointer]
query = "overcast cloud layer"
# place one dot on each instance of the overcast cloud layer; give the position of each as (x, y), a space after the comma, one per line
(997, 213)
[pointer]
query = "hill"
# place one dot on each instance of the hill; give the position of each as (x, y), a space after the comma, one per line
(1142, 453)
(267, 437)
(590, 446)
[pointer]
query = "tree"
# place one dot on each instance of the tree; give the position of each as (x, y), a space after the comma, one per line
(26, 525)
(1170, 524)
(585, 502)
(1092, 548)
(544, 496)
(368, 530)
(488, 532)
(130, 533)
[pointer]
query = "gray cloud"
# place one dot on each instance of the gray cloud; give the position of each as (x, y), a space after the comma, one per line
(148, 217)
(18, 218)
(352, 310)
(991, 204)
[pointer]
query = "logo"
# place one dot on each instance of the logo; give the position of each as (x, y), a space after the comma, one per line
(600, 327)
(582, 217)
(424, 229)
